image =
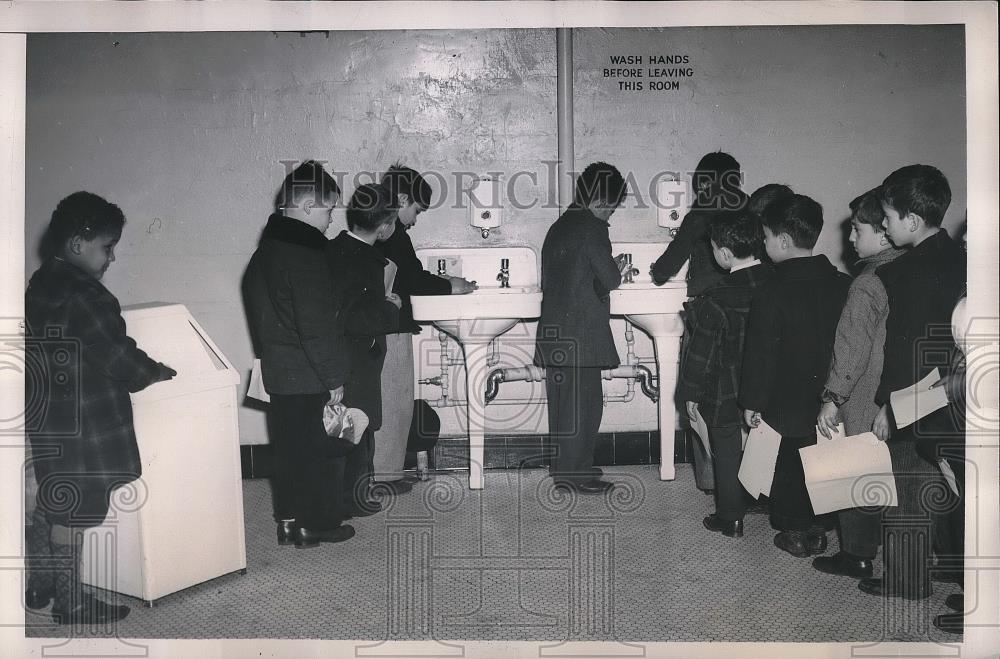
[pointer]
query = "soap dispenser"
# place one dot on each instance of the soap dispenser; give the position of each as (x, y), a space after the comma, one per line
(671, 203)
(485, 204)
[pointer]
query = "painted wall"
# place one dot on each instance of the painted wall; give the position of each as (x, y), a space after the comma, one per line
(187, 133)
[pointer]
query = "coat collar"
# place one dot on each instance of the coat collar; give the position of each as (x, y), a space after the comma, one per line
(287, 230)
(805, 267)
(932, 248)
(869, 263)
(348, 244)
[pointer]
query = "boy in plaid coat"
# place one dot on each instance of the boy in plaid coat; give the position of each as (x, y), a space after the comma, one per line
(84, 444)
(710, 369)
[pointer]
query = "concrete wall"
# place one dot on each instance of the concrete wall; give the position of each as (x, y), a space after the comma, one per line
(186, 132)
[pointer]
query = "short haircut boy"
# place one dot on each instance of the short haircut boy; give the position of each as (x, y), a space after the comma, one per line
(766, 195)
(740, 232)
(798, 216)
(370, 207)
(867, 208)
(307, 182)
(720, 169)
(404, 180)
(919, 189)
(600, 182)
(83, 214)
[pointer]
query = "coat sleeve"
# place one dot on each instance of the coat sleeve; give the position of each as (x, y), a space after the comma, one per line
(318, 317)
(864, 311)
(598, 251)
(371, 318)
(411, 277)
(679, 250)
(98, 324)
(700, 363)
(760, 353)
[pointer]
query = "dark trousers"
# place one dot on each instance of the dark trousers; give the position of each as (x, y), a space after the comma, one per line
(731, 500)
(860, 531)
(791, 508)
(307, 484)
(357, 469)
(576, 405)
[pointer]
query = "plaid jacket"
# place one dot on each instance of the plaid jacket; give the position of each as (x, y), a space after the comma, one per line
(715, 331)
(83, 367)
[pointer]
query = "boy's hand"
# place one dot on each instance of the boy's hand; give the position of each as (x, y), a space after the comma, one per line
(692, 410)
(461, 286)
(166, 373)
(828, 419)
(882, 426)
(336, 395)
(752, 418)
(395, 299)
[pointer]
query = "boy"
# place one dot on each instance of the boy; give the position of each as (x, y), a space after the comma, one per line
(716, 183)
(413, 196)
(85, 445)
(923, 286)
(790, 333)
(765, 195)
(293, 315)
(849, 395)
(368, 314)
(574, 335)
(710, 369)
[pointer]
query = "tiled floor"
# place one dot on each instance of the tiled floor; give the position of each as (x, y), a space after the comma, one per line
(519, 561)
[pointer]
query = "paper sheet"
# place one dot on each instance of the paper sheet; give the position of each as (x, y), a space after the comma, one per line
(256, 388)
(701, 429)
(759, 457)
(848, 472)
(389, 276)
(918, 400)
(949, 476)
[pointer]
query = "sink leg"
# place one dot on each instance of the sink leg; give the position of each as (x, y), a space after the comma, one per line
(476, 356)
(667, 353)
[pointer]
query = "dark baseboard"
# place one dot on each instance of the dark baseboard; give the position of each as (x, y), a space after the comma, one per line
(512, 452)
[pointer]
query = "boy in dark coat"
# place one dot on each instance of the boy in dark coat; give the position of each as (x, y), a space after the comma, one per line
(574, 339)
(790, 334)
(709, 379)
(716, 182)
(85, 444)
(294, 316)
(923, 286)
(369, 313)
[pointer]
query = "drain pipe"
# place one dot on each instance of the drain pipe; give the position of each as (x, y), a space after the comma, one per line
(532, 373)
(564, 116)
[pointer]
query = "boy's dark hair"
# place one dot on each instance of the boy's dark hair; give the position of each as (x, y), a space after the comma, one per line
(919, 189)
(307, 180)
(798, 216)
(720, 169)
(766, 195)
(83, 214)
(739, 231)
(370, 207)
(599, 182)
(403, 180)
(867, 208)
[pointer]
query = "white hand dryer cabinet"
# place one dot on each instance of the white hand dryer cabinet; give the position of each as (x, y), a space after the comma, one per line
(182, 523)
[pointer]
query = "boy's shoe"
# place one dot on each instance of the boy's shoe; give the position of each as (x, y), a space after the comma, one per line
(592, 486)
(396, 487)
(816, 542)
(38, 598)
(877, 587)
(950, 622)
(955, 602)
(286, 532)
(795, 543)
(91, 611)
(844, 565)
(732, 529)
(307, 538)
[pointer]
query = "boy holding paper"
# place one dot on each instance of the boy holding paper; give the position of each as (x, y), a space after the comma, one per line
(923, 286)
(793, 319)
(849, 396)
(710, 369)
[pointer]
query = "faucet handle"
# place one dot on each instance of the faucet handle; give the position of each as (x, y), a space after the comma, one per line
(504, 264)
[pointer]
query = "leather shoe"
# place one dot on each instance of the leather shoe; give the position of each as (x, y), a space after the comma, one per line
(816, 542)
(732, 529)
(306, 538)
(950, 622)
(369, 508)
(593, 486)
(396, 487)
(794, 542)
(877, 587)
(845, 565)
(91, 611)
(38, 598)
(955, 602)
(286, 532)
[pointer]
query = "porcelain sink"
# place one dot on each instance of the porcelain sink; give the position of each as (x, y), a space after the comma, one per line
(653, 308)
(480, 316)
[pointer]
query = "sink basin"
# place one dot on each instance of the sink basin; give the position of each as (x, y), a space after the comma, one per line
(653, 308)
(480, 316)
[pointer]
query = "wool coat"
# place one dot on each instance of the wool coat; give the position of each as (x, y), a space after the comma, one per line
(411, 277)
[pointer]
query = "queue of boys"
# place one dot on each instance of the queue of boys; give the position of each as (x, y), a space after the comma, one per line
(774, 334)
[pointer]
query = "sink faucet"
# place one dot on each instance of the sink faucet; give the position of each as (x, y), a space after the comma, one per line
(504, 276)
(630, 272)
(442, 267)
